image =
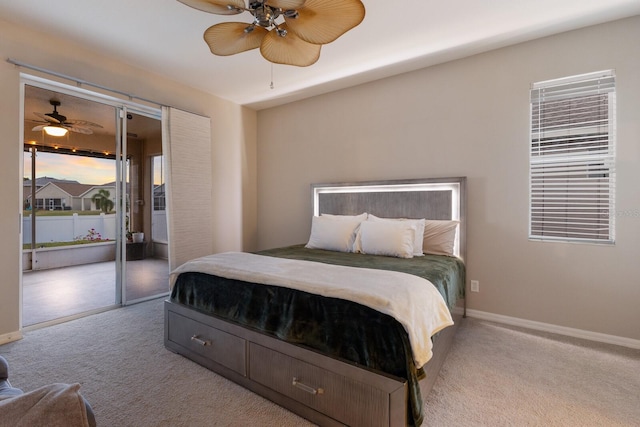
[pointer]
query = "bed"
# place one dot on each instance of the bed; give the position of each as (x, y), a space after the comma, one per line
(279, 323)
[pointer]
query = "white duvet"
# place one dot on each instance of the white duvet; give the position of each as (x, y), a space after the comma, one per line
(411, 300)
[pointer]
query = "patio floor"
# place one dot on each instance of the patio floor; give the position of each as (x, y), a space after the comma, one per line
(57, 293)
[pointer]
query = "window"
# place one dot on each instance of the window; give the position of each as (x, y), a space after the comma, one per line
(572, 159)
(49, 204)
(159, 203)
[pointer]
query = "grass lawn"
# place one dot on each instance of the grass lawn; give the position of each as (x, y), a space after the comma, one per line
(58, 244)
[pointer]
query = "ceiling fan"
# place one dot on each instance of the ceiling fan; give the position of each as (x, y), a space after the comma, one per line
(58, 125)
(308, 24)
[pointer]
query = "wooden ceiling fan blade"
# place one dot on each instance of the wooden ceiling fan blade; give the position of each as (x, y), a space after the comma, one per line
(286, 4)
(83, 123)
(38, 128)
(323, 21)
(219, 7)
(230, 38)
(79, 129)
(289, 50)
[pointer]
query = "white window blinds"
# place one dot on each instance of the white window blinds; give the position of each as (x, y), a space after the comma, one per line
(572, 159)
(187, 148)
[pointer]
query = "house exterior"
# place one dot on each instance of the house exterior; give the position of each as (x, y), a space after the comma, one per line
(40, 182)
(69, 196)
(465, 117)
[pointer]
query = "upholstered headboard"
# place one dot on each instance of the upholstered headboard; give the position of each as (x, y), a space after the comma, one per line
(429, 198)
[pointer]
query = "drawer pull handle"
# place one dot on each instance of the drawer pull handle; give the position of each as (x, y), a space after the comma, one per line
(306, 388)
(199, 341)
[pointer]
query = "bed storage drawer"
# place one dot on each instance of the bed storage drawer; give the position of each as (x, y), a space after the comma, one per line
(218, 346)
(346, 400)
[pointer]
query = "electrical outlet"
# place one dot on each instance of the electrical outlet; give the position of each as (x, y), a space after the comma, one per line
(475, 286)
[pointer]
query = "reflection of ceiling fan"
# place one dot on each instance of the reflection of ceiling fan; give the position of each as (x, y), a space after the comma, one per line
(308, 24)
(58, 125)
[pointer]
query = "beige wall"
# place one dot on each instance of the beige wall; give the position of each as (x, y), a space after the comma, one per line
(470, 117)
(233, 145)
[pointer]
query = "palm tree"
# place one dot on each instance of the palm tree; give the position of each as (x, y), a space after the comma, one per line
(103, 201)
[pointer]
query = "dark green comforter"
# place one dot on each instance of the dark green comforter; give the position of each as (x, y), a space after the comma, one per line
(339, 328)
(446, 273)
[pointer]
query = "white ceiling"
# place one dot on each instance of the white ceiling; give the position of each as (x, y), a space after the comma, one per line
(165, 36)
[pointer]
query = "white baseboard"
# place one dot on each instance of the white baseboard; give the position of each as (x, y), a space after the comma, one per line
(561, 330)
(11, 336)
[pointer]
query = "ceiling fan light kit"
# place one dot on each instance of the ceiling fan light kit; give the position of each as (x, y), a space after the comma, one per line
(55, 130)
(308, 24)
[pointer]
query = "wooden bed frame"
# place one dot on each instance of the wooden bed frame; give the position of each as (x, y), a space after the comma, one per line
(287, 374)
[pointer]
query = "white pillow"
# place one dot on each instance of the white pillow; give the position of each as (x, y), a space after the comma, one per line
(418, 223)
(333, 235)
(361, 217)
(439, 236)
(390, 238)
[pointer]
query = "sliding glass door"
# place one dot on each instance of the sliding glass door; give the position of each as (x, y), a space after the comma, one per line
(69, 206)
(142, 253)
(87, 204)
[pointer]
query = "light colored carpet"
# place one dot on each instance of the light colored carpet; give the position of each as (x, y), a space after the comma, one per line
(494, 376)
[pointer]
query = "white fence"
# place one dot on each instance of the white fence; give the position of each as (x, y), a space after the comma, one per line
(69, 228)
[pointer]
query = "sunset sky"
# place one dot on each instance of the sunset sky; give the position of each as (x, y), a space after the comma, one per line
(85, 170)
